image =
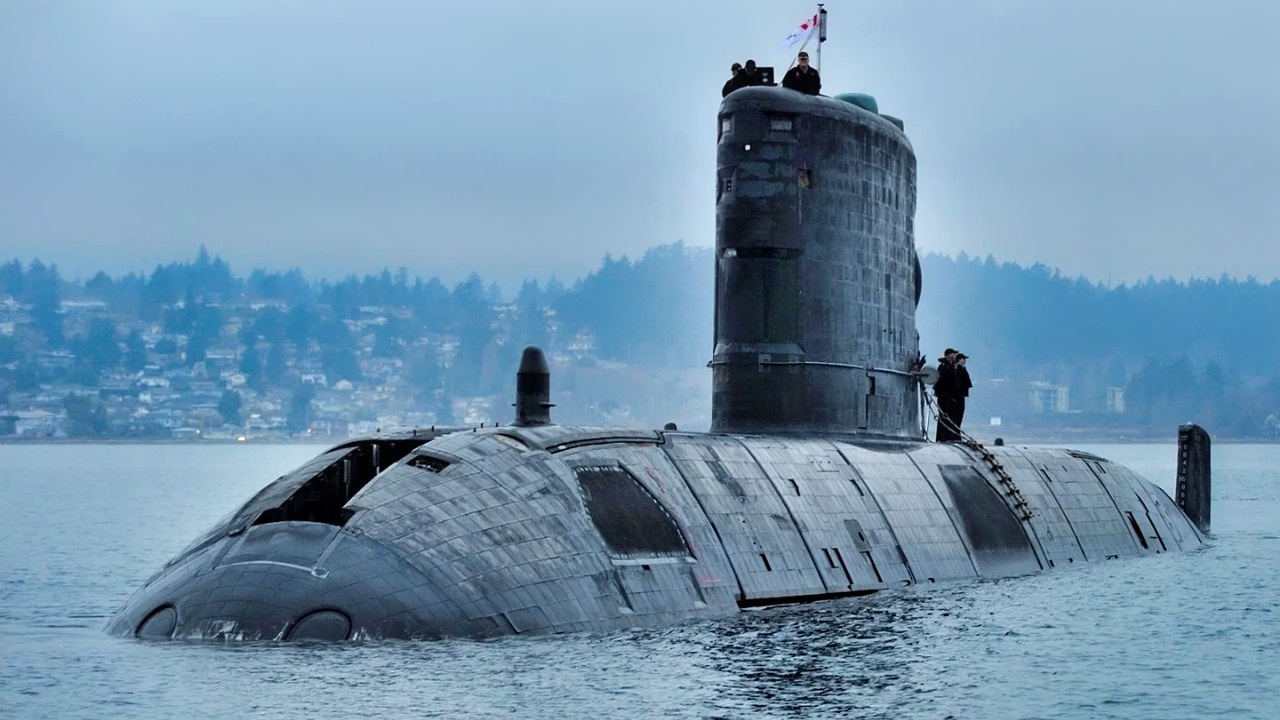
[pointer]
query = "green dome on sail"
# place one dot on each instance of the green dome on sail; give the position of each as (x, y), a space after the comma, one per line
(862, 100)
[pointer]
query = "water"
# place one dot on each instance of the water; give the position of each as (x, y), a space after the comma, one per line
(1176, 636)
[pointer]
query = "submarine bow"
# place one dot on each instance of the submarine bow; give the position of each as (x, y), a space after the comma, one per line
(815, 482)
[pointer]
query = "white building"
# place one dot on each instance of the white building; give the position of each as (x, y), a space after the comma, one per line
(1044, 398)
(1115, 399)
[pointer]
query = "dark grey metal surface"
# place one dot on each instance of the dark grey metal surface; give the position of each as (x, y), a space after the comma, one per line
(533, 389)
(815, 276)
(1194, 474)
(488, 532)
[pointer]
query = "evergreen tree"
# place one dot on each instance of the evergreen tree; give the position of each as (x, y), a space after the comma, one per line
(11, 279)
(229, 407)
(423, 372)
(298, 417)
(273, 372)
(270, 325)
(251, 366)
(197, 348)
(101, 349)
(337, 352)
(41, 289)
(86, 417)
(101, 287)
(531, 326)
(431, 305)
(135, 357)
(299, 325)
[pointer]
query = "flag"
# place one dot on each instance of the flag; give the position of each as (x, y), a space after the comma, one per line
(804, 32)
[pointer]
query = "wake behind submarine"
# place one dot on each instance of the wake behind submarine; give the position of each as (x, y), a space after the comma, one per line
(815, 481)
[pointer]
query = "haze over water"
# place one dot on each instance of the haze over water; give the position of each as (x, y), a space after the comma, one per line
(1176, 636)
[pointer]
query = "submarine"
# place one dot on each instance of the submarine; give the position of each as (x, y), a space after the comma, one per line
(816, 479)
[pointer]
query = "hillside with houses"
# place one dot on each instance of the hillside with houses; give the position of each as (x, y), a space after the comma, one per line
(193, 351)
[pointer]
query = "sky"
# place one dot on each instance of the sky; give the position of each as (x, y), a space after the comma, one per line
(1114, 139)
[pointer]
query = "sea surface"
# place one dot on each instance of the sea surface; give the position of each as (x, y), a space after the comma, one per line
(1176, 636)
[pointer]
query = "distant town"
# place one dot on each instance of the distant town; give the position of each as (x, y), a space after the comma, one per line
(193, 352)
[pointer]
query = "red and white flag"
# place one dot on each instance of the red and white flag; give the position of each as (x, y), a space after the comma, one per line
(804, 32)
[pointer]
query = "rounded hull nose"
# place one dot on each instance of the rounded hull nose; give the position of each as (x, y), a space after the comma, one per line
(290, 581)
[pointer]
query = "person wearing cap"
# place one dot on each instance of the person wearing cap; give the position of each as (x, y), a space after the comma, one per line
(962, 385)
(751, 78)
(802, 78)
(945, 390)
(735, 81)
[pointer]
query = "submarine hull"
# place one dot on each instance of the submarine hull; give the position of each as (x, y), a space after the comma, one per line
(815, 482)
(553, 529)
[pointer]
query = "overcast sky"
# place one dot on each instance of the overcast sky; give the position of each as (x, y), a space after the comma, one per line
(1110, 138)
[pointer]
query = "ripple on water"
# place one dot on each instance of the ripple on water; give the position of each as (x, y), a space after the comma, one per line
(1181, 635)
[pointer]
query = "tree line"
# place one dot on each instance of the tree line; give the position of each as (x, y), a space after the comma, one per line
(1201, 348)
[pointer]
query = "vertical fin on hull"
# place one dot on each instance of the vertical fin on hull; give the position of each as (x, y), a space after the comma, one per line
(1194, 474)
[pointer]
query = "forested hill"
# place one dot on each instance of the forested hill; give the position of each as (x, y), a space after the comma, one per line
(631, 338)
(1030, 317)
(1137, 359)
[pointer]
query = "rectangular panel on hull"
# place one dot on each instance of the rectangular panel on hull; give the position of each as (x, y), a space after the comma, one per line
(846, 535)
(1050, 528)
(1178, 531)
(656, 585)
(998, 542)
(1089, 507)
(913, 509)
(1160, 523)
(764, 546)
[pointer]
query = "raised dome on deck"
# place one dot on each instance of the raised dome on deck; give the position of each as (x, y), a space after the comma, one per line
(862, 100)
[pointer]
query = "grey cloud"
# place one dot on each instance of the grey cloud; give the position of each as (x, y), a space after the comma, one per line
(1111, 139)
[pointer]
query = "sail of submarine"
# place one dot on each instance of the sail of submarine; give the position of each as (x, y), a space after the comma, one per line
(815, 481)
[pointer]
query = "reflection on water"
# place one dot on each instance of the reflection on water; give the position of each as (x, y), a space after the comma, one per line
(1191, 635)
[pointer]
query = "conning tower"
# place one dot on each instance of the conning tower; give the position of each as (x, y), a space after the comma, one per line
(817, 277)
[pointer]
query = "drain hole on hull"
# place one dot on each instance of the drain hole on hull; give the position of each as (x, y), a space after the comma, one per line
(159, 624)
(322, 625)
(765, 559)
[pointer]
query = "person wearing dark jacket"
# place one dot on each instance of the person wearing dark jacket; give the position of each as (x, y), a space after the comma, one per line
(946, 390)
(963, 383)
(738, 80)
(750, 77)
(802, 78)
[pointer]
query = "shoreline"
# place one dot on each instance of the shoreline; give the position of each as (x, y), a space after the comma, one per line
(334, 440)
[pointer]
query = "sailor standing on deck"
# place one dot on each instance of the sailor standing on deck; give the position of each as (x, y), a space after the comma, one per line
(945, 390)
(963, 383)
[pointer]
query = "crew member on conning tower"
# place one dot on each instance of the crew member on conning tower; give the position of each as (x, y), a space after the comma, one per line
(735, 81)
(802, 78)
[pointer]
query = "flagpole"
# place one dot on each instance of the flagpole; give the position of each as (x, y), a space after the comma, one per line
(822, 34)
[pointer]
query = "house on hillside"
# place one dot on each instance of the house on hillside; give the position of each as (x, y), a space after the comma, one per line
(1046, 398)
